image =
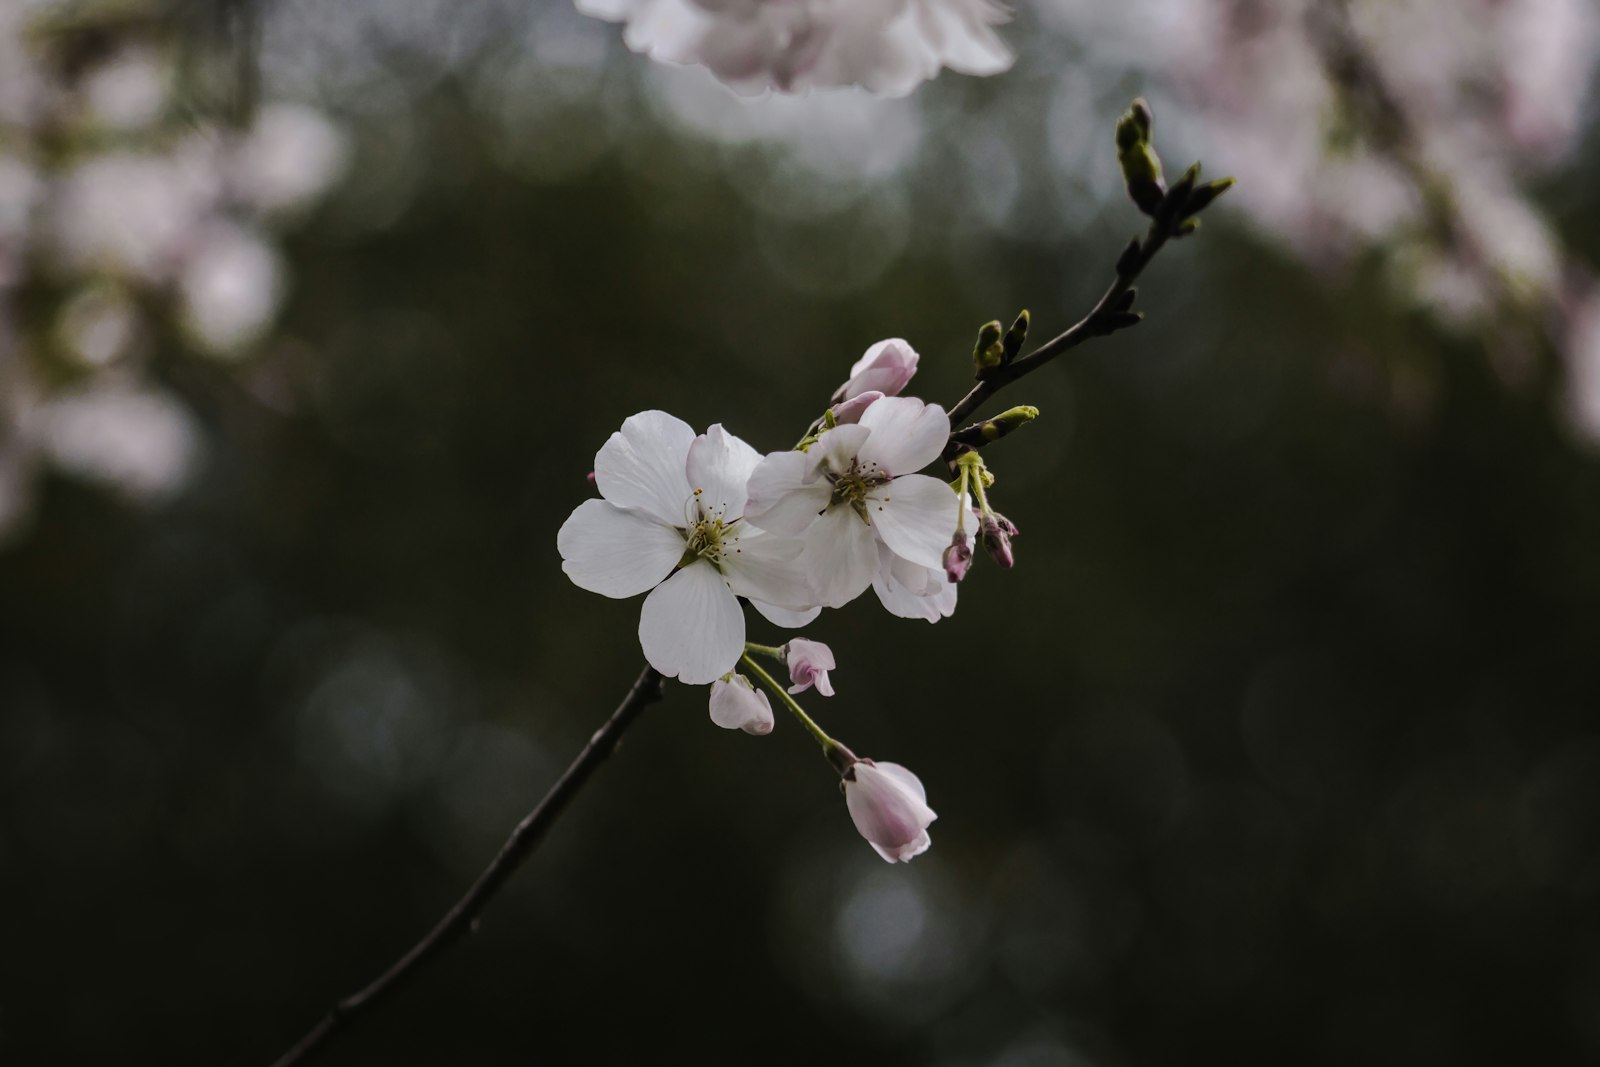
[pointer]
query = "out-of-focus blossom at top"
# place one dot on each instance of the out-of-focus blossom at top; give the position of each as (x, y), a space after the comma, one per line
(1404, 128)
(138, 223)
(885, 46)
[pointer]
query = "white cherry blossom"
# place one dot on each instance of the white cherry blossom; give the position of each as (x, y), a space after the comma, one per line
(884, 46)
(855, 489)
(671, 523)
(890, 808)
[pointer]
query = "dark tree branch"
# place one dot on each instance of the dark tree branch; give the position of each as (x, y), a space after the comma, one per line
(1107, 316)
(518, 847)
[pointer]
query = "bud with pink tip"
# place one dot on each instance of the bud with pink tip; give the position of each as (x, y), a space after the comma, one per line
(886, 367)
(738, 705)
(809, 663)
(890, 809)
(997, 534)
(848, 412)
(958, 557)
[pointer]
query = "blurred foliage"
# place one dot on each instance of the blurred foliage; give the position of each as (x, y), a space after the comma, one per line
(1279, 745)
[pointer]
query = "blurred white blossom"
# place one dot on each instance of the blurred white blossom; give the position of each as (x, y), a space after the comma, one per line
(887, 47)
(137, 214)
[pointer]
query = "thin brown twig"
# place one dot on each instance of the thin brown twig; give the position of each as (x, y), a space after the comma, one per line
(463, 917)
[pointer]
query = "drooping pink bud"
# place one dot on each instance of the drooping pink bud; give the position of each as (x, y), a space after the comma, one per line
(885, 367)
(957, 558)
(890, 809)
(809, 663)
(849, 411)
(738, 705)
(997, 534)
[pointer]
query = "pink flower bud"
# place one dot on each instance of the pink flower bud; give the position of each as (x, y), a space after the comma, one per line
(957, 558)
(886, 367)
(847, 412)
(738, 705)
(890, 809)
(997, 534)
(809, 663)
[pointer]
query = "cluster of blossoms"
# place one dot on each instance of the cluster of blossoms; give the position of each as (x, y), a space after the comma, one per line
(128, 226)
(887, 47)
(699, 521)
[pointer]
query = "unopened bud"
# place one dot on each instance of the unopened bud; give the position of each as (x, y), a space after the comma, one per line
(957, 558)
(1141, 167)
(1007, 422)
(997, 539)
(1016, 336)
(988, 352)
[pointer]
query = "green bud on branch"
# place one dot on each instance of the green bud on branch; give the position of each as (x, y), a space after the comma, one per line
(989, 352)
(1016, 336)
(1141, 167)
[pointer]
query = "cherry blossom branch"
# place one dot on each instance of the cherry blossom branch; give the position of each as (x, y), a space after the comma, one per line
(1173, 213)
(463, 917)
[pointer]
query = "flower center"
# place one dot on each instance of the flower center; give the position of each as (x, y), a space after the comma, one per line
(708, 532)
(855, 484)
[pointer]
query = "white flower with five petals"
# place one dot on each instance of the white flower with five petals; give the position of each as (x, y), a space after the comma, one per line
(672, 524)
(856, 489)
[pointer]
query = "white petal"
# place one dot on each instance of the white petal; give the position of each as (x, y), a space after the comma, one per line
(789, 620)
(738, 705)
(691, 627)
(836, 448)
(784, 495)
(643, 466)
(907, 434)
(618, 553)
(906, 779)
(916, 517)
(912, 592)
(841, 557)
(766, 566)
(719, 467)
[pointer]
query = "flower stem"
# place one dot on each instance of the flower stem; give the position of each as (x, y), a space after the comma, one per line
(775, 651)
(828, 744)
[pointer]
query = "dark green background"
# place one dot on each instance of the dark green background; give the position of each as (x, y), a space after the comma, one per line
(1278, 746)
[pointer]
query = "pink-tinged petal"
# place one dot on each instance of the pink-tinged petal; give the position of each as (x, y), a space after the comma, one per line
(738, 705)
(848, 412)
(907, 434)
(840, 558)
(785, 497)
(789, 620)
(889, 807)
(643, 466)
(911, 592)
(719, 467)
(809, 663)
(691, 627)
(915, 516)
(886, 367)
(617, 553)
(766, 566)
